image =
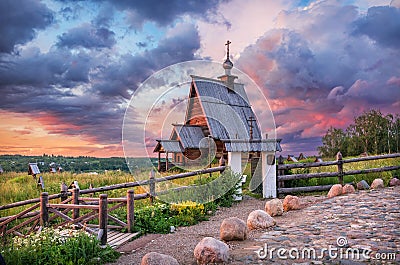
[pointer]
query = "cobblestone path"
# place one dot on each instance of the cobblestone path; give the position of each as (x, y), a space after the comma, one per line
(366, 222)
(358, 228)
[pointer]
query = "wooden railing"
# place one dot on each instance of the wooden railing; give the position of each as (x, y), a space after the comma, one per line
(340, 173)
(98, 207)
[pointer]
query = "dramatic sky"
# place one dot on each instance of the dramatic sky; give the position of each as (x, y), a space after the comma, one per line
(69, 68)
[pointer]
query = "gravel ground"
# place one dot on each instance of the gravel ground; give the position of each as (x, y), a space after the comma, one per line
(182, 242)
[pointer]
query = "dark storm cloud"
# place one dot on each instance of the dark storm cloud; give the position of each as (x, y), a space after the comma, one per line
(382, 24)
(19, 21)
(123, 77)
(87, 36)
(42, 70)
(163, 12)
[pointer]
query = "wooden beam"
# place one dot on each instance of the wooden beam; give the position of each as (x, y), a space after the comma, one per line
(304, 189)
(14, 217)
(22, 224)
(28, 215)
(307, 165)
(82, 218)
(112, 218)
(190, 174)
(109, 200)
(152, 185)
(44, 214)
(103, 219)
(75, 200)
(22, 203)
(371, 170)
(130, 210)
(67, 218)
(358, 159)
(307, 176)
(73, 206)
(332, 163)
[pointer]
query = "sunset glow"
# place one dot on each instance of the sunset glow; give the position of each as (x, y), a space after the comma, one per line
(69, 69)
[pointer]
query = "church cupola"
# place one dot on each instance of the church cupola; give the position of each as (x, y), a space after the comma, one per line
(228, 79)
(228, 65)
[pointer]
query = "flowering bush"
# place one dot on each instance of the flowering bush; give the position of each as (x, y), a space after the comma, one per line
(57, 246)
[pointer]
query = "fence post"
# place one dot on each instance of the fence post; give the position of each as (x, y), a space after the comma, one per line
(103, 219)
(44, 213)
(130, 210)
(75, 200)
(339, 159)
(64, 191)
(152, 185)
(281, 172)
(3, 233)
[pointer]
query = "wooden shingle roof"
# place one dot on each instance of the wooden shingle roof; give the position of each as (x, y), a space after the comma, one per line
(189, 135)
(33, 169)
(170, 146)
(227, 112)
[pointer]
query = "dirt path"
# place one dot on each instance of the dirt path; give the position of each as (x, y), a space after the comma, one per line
(367, 219)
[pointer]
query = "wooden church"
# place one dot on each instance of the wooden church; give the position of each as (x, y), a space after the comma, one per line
(218, 111)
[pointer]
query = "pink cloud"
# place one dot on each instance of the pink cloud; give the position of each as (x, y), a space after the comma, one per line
(394, 80)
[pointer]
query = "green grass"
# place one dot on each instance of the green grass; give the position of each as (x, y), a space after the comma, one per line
(20, 186)
(15, 187)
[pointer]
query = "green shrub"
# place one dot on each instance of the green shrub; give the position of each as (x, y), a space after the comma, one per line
(159, 218)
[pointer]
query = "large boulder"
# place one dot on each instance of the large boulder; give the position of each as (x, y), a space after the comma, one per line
(348, 189)
(210, 250)
(394, 182)
(274, 207)
(363, 185)
(377, 184)
(335, 190)
(154, 258)
(259, 219)
(233, 228)
(291, 203)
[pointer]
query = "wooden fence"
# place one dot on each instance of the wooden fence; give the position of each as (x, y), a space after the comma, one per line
(71, 200)
(340, 173)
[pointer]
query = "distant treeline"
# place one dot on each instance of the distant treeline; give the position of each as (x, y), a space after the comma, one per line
(19, 163)
(371, 133)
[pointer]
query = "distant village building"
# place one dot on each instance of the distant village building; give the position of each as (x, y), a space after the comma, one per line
(218, 111)
(302, 156)
(33, 169)
(292, 158)
(1, 170)
(318, 159)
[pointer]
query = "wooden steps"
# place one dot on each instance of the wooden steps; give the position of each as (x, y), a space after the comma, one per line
(116, 239)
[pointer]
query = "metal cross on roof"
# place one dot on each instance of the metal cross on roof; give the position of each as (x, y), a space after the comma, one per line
(227, 52)
(251, 126)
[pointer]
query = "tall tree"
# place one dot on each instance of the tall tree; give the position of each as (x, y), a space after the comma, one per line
(371, 132)
(333, 142)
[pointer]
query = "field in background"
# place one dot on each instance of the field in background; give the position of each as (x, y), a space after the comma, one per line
(21, 186)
